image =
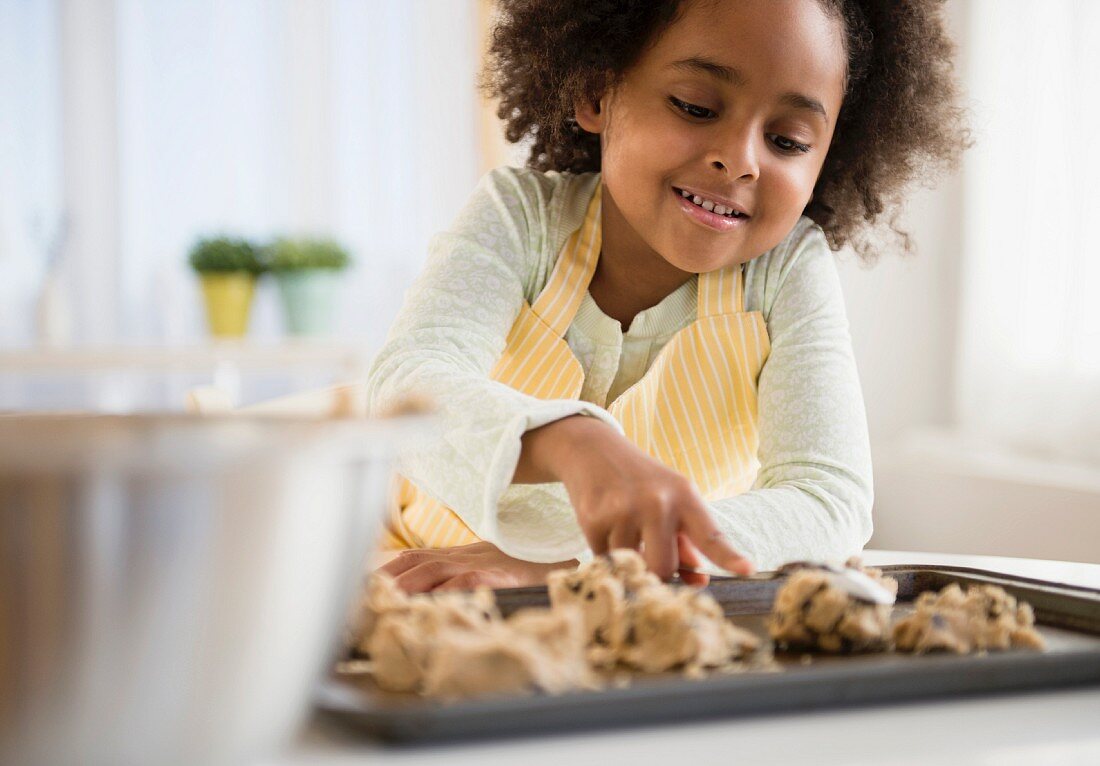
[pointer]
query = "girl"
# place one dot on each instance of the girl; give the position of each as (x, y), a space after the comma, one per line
(640, 341)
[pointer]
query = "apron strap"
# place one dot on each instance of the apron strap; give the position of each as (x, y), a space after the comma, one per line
(560, 299)
(722, 291)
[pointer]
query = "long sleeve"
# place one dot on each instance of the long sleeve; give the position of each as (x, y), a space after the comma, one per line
(449, 334)
(813, 494)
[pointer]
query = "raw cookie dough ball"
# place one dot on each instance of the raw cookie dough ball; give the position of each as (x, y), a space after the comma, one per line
(811, 612)
(682, 627)
(560, 632)
(628, 567)
(600, 589)
(984, 618)
(406, 637)
(452, 644)
(535, 650)
(631, 617)
(380, 595)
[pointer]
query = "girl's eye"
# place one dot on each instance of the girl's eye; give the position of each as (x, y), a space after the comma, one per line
(699, 112)
(787, 146)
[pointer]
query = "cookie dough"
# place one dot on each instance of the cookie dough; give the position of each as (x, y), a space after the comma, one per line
(606, 617)
(534, 650)
(380, 595)
(632, 618)
(407, 634)
(452, 644)
(668, 628)
(981, 619)
(813, 613)
(601, 590)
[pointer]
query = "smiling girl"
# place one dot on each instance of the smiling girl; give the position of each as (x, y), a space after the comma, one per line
(640, 341)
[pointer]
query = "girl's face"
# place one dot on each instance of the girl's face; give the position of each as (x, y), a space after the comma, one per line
(734, 105)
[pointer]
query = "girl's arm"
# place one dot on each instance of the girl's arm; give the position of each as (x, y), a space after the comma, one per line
(813, 495)
(448, 336)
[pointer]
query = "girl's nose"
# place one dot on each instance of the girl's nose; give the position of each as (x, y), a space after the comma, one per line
(737, 156)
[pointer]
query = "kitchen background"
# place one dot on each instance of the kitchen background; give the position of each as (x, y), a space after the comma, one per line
(129, 128)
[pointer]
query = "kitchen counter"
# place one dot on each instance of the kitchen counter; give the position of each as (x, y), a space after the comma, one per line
(1036, 729)
(134, 378)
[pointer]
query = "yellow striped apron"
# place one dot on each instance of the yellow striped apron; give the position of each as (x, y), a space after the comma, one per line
(694, 409)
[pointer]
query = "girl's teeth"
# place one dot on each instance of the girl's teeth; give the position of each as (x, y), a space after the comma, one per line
(706, 204)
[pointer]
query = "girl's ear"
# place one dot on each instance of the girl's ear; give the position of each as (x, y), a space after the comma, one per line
(591, 115)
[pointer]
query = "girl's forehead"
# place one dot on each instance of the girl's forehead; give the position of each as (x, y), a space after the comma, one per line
(778, 43)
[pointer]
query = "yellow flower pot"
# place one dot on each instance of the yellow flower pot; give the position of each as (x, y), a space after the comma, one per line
(228, 301)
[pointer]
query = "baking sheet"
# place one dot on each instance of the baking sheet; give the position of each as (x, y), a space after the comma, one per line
(1068, 617)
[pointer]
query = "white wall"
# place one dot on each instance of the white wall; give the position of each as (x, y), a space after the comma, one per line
(937, 489)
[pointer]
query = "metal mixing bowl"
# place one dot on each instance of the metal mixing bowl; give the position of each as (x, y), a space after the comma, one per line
(171, 587)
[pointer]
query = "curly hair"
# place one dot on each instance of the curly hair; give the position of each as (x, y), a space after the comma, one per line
(901, 124)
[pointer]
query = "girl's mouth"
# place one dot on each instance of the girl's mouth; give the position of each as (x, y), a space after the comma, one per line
(706, 212)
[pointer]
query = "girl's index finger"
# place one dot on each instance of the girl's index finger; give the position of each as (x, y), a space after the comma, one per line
(713, 543)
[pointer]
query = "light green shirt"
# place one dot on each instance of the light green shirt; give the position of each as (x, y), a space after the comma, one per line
(813, 494)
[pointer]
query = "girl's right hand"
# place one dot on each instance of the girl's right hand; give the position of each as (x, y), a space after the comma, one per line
(624, 498)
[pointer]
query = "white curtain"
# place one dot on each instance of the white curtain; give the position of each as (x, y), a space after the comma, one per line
(1029, 356)
(30, 160)
(180, 118)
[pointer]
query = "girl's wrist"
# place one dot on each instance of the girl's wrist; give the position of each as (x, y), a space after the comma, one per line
(574, 444)
(551, 452)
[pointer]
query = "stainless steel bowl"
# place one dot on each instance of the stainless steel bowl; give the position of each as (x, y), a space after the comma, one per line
(171, 587)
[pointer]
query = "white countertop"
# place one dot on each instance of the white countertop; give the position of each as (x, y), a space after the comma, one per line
(1030, 729)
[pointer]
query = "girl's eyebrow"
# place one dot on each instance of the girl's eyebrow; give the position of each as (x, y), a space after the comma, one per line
(800, 101)
(734, 77)
(700, 64)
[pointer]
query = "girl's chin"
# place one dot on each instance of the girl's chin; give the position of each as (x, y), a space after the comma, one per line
(694, 264)
(701, 254)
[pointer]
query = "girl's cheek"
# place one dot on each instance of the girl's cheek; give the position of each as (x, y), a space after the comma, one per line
(668, 130)
(792, 179)
(679, 145)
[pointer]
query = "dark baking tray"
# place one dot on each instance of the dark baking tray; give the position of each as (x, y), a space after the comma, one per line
(1067, 616)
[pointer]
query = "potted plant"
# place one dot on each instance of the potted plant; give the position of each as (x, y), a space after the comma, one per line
(227, 269)
(307, 270)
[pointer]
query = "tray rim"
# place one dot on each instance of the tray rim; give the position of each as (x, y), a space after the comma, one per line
(770, 575)
(988, 573)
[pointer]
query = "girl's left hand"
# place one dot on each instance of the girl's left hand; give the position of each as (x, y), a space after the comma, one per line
(465, 568)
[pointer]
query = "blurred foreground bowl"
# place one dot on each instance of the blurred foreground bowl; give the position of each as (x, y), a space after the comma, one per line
(172, 587)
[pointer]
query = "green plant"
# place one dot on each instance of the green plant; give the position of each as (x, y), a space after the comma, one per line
(298, 253)
(225, 254)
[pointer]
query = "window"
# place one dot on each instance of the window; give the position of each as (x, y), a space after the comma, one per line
(1030, 346)
(30, 155)
(161, 120)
